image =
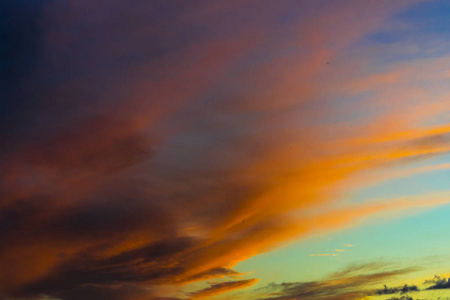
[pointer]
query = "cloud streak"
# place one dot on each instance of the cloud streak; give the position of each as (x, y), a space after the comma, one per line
(352, 283)
(219, 288)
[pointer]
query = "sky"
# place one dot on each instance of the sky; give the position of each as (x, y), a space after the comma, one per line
(230, 149)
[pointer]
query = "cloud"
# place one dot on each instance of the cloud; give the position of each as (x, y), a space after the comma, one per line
(163, 151)
(223, 287)
(438, 283)
(352, 283)
(396, 290)
(215, 273)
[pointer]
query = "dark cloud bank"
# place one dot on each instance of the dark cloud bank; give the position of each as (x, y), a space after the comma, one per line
(87, 211)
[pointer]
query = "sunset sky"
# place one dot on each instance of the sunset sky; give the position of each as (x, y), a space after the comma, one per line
(230, 149)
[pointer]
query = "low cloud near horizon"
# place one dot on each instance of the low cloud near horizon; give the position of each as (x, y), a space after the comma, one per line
(355, 282)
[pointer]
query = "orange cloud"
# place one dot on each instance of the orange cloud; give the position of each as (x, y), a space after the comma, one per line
(219, 288)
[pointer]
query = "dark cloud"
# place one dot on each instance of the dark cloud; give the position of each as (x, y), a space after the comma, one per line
(93, 292)
(438, 283)
(352, 283)
(89, 275)
(396, 290)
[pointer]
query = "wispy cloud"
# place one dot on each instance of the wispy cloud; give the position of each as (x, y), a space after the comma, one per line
(219, 288)
(352, 283)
